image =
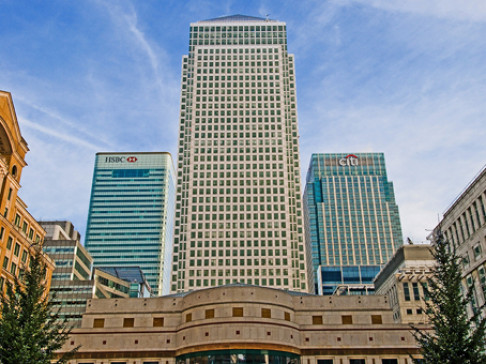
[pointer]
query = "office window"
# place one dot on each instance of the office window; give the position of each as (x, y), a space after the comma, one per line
(287, 316)
(357, 361)
(416, 295)
(210, 313)
(17, 249)
(477, 251)
(237, 311)
(325, 361)
(376, 319)
(128, 322)
(158, 322)
(98, 323)
(189, 317)
(347, 319)
(316, 320)
(389, 361)
(425, 288)
(266, 313)
(406, 291)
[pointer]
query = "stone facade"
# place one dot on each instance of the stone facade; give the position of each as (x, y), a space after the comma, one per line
(235, 318)
(464, 225)
(403, 281)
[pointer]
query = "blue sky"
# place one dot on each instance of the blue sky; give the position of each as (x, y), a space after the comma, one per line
(407, 78)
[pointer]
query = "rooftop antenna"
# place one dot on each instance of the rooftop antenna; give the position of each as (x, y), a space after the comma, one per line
(266, 17)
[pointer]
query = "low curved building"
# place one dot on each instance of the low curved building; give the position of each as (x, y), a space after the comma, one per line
(242, 324)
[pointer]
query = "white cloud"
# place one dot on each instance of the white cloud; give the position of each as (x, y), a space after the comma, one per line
(66, 137)
(51, 116)
(472, 10)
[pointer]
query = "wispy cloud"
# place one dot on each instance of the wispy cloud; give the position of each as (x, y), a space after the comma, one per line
(401, 85)
(402, 77)
(66, 137)
(129, 19)
(473, 10)
(53, 115)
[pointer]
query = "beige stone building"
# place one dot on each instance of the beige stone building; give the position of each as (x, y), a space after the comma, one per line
(464, 224)
(404, 281)
(241, 324)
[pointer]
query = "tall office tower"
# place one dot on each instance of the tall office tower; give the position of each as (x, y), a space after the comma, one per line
(239, 212)
(130, 220)
(352, 221)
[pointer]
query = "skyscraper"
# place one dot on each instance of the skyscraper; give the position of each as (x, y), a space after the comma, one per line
(130, 220)
(352, 221)
(239, 212)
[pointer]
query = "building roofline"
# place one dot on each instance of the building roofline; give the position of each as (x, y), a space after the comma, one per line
(403, 252)
(123, 153)
(469, 186)
(237, 18)
(245, 285)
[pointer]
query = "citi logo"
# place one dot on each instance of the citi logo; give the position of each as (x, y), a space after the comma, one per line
(132, 159)
(349, 160)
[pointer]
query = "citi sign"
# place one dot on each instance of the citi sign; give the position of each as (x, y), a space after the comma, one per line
(350, 160)
(120, 159)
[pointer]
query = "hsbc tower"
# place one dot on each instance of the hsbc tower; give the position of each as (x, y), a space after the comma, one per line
(131, 214)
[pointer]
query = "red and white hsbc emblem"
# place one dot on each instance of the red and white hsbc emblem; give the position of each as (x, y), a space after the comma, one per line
(132, 159)
(349, 160)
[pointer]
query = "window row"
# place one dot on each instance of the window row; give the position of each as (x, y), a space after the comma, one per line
(237, 262)
(240, 112)
(238, 234)
(468, 222)
(419, 291)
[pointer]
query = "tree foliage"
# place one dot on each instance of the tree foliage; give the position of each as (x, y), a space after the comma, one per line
(29, 329)
(455, 338)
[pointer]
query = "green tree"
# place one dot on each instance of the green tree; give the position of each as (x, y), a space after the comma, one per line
(454, 338)
(29, 329)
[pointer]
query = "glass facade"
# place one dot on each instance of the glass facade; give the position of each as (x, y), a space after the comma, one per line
(239, 216)
(130, 221)
(352, 220)
(241, 356)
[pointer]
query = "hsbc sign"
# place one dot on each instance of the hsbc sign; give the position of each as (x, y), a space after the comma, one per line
(350, 160)
(130, 159)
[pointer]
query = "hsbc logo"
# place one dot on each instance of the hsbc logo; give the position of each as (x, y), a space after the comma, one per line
(350, 160)
(131, 159)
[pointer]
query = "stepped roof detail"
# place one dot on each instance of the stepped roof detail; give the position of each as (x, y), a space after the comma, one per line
(236, 18)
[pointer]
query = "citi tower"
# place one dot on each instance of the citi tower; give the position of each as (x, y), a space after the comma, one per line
(239, 216)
